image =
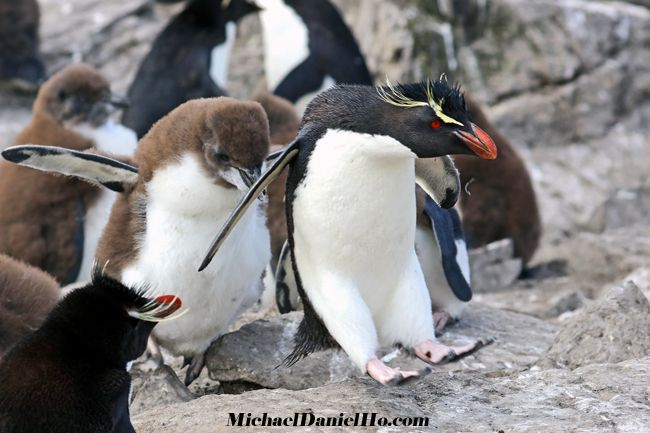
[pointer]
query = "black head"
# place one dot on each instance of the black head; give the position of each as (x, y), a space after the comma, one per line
(78, 94)
(234, 10)
(110, 320)
(430, 117)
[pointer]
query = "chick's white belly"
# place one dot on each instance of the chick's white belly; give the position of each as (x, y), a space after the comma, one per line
(215, 296)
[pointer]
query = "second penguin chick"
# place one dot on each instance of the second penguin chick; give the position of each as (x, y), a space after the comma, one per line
(50, 222)
(70, 376)
(27, 295)
(193, 167)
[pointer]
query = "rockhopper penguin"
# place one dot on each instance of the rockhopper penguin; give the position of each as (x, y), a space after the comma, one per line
(193, 167)
(51, 222)
(351, 217)
(70, 376)
(189, 59)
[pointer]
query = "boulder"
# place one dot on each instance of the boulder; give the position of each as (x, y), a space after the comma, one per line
(156, 387)
(614, 329)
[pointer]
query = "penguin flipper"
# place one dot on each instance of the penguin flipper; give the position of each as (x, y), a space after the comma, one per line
(448, 230)
(97, 169)
(439, 178)
(255, 191)
(282, 295)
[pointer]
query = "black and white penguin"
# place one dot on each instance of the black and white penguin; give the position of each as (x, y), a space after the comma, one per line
(70, 376)
(307, 49)
(442, 251)
(189, 59)
(351, 217)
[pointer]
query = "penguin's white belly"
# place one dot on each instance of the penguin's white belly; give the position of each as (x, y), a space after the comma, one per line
(442, 297)
(94, 222)
(183, 214)
(354, 213)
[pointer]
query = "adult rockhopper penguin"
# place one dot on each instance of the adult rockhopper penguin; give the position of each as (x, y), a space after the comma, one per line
(351, 217)
(70, 375)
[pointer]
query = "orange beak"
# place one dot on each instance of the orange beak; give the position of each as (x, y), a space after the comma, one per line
(480, 142)
(171, 302)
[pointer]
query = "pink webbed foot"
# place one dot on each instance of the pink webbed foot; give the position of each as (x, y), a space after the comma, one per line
(440, 320)
(391, 376)
(437, 353)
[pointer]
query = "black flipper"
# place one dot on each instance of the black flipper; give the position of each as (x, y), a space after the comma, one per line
(282, 293)
(447, 228)
(256, 190)
(96, 169)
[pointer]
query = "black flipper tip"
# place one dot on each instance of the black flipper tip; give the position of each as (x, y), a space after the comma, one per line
(15, 155)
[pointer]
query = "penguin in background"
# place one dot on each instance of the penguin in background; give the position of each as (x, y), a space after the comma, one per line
(27, 295)
(349, 200)
(54, 223)
(21, 64)
(70, 376)
(191, 169)
(308, 48)
(188, 60)
(442, 251)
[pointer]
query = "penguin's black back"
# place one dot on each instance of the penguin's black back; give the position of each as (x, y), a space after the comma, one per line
(177, 68)
(70, 375)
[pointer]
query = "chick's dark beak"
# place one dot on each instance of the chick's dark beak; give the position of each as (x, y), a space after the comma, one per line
(479, 142)
(118, 101)
(250, 175)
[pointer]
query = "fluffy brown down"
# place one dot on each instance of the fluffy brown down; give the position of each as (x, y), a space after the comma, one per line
(222, 121)
(502, 203)
(284, 124)
(39, 212)
(27, 295)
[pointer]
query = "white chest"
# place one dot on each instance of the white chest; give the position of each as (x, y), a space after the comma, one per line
(285, 40)
(110, 137)
(220, 57)
(355, 210)
(184, 210)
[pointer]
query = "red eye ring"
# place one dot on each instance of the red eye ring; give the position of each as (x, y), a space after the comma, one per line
(436, 124)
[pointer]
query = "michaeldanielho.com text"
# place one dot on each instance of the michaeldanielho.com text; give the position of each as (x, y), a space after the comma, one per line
(305, 419)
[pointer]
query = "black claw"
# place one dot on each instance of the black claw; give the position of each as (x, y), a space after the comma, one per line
(453, 356)
(402, 380)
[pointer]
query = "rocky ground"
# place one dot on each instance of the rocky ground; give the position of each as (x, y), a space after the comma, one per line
(569, 83)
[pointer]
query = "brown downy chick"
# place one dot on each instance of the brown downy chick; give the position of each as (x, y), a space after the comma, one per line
(193, 167)
(502, 203)
(27, 295)
(54, 222)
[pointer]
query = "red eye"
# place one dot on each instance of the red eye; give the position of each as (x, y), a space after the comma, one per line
(436, 124)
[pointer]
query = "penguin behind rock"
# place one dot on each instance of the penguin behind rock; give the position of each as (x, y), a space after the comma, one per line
(70, 376)
(27, 295)
(349, 202)
(499, 200)
(308, 48)
(50, 222)
(189, 59)
(20, 61)
(193, 167)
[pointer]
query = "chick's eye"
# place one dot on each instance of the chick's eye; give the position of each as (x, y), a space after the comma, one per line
(223, 158)
(436, 124)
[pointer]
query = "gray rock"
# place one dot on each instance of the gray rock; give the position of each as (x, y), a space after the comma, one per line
(601, 397)
(614, 329)
(251, 354)
(156, 387)
(493, 267)
(623, 209)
